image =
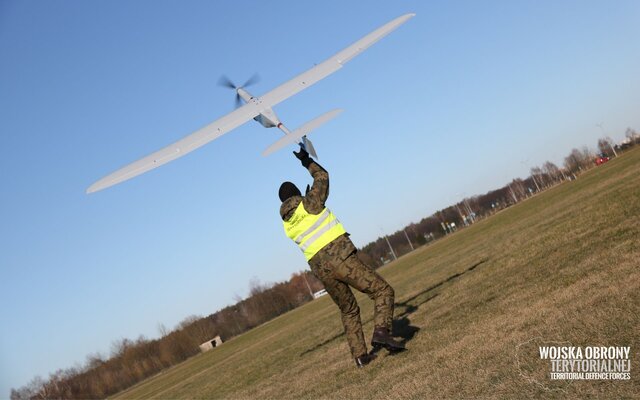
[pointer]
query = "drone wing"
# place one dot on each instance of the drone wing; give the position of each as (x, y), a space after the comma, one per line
(181, 147)
(249, 110)
(332, 64)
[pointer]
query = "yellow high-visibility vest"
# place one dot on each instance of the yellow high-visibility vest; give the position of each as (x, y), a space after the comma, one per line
(312, 232)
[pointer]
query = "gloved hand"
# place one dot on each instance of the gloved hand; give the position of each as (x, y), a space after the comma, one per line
(303, 156)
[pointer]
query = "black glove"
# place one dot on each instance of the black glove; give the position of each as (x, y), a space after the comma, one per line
(303, 156)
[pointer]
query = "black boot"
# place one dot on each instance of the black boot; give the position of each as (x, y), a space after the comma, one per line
(382, 338)
(365, 359)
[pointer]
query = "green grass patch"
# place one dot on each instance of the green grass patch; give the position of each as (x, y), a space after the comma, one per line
(561, 267)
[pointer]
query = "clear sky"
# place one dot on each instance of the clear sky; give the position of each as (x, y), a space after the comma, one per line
(459, 100)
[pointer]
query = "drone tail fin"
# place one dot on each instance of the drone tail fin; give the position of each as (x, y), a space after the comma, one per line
(300, 135)
(308, 146)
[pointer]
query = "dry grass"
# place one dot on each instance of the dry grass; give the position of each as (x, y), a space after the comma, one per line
(560, 267)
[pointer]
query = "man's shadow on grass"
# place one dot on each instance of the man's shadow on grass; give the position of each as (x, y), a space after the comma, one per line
(402, 327)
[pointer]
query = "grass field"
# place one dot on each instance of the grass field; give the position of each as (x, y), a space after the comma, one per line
(561, 267)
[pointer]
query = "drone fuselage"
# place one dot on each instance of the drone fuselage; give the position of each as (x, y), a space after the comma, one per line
(267, 117)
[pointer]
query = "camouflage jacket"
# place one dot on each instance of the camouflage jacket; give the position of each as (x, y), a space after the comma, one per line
(313, 201)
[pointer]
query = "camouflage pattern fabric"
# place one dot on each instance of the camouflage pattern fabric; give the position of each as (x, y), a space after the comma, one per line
(314, 199)
(337, 274)
(338, 267)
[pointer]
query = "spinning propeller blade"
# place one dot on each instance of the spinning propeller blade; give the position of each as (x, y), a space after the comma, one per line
(226, 82)
(252, 81)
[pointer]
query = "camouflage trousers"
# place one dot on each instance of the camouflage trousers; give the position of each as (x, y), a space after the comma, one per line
(337, 275)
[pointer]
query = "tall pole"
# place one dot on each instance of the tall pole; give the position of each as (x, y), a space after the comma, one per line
(564, 177)
(605, 138)
(526, 162)
(533, 176)
(304, 275)
(513, 194)
(614, 150)
(407, 236)
(460, 212)
(466, 203)
(391, 248)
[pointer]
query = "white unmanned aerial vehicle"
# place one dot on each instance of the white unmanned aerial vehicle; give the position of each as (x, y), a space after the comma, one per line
(257, 108)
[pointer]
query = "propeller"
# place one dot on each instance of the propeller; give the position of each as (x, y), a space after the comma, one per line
(228, 83)
(255, 78)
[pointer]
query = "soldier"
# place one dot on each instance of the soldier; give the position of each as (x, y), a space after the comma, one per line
(332, 258)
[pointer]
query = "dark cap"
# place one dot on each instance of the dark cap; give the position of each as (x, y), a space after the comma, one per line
(287, 190)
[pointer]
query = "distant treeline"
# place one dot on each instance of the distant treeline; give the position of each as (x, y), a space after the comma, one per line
(471, 209)
(131, 361)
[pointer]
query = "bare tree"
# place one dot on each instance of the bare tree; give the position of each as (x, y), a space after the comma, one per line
(119, 347)
(604, 147)
(574, 161)
(552, 171)
(633, 136)
(587, 157)
(162, 330)
(28, 391)
(94, 361)
(536, 173)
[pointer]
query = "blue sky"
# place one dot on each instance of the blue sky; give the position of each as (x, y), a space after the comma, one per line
(459, 100)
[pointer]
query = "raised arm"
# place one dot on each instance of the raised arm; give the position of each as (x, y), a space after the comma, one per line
(316, 196)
